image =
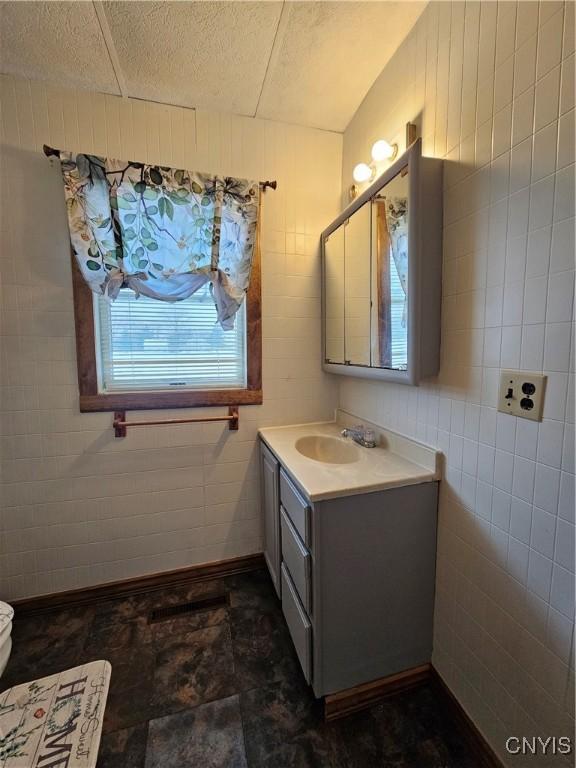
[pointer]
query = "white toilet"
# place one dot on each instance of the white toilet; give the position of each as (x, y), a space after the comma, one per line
(6, 616)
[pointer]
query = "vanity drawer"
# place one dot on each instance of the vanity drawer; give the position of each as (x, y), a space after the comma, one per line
(297, 559)
(296, 508)
(298, 624)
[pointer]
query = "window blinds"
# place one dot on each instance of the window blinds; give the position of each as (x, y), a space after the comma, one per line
(399, 340)
(146, 344)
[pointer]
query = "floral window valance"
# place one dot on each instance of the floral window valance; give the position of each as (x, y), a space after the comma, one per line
(162, 232)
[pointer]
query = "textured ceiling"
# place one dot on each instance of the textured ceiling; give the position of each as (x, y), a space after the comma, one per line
(329, 55)
(309, 63)
(206, 54)
(56, 41)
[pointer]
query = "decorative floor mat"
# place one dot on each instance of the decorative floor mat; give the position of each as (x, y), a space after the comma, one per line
(55, 721)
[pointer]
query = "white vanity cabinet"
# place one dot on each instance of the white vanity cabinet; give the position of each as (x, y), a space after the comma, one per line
(357, 576)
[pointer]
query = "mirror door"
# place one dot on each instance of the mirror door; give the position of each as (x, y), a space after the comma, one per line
(357, 287)
(334, 282)
(389, 338)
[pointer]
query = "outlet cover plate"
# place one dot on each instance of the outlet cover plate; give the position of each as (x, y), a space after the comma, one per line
(521, 393)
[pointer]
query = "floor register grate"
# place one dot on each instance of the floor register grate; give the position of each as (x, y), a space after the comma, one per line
(206, 603)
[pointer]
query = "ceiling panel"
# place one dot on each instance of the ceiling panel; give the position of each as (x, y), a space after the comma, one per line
(327, 56)
(211, 55)
(309, 63)
(57, 41)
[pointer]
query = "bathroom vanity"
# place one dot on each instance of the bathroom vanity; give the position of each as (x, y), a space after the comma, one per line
(350, 543)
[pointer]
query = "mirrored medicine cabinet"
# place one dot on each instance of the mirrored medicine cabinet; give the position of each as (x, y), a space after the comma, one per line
(382, 275)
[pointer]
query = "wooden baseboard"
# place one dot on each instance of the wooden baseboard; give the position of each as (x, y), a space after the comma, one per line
(343, 703)
(478, 748)
(363, 696)
(139, 584)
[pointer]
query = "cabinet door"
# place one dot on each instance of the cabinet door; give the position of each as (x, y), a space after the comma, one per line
(334, 284)
(357, 287)
(271, 509)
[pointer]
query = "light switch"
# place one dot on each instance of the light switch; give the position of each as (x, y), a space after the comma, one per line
(522, 394)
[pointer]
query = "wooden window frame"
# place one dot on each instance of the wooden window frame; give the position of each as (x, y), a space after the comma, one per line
(91, 400)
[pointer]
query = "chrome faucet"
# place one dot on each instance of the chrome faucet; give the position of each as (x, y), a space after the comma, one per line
(361, 435)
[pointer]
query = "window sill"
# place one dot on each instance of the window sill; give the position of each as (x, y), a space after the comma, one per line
(134, 401)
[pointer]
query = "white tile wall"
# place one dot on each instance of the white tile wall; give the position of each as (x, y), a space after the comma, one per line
(491, 86)
(500, 110)
(79, 506)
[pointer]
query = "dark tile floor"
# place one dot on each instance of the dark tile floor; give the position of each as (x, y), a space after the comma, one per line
(222, 688)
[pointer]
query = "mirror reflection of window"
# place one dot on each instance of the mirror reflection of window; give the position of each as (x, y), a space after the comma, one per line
(357, 233)
(334, 296)
(390, 275)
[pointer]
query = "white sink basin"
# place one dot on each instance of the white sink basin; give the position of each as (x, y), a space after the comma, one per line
(327, 466)
(329, 450)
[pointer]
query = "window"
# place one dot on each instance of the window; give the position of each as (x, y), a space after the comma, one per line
(146, 354)
(399, 333)
(143, 344)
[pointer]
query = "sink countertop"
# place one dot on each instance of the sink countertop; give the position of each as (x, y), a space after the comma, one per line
(396, 462)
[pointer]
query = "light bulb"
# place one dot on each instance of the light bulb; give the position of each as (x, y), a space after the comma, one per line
(381, 150)
(362, 172)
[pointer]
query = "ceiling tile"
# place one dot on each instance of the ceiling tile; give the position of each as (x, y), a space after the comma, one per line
(56, 41)
(211, 55)
(327, 56)
(309, 63)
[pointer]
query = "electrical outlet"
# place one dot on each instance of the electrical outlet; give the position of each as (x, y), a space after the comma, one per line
(522, 394)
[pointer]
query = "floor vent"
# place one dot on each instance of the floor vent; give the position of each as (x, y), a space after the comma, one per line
(207, 603)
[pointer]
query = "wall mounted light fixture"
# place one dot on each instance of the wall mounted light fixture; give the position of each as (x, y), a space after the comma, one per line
(381, 151)
(363, 172)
